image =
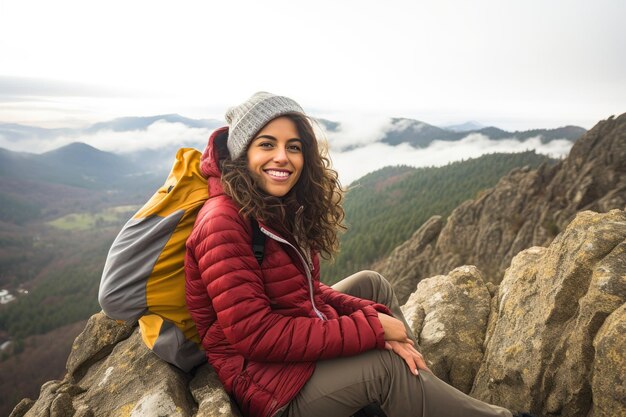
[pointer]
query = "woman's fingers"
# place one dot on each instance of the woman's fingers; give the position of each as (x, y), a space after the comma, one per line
(421, 363)
(410, 341)
(411, 360)
(419, 359)
(407, 352)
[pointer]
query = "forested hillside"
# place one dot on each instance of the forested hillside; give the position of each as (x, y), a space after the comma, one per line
(67, 292)
(385, 207)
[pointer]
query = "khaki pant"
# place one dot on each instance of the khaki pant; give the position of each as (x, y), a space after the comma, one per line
(342, 386)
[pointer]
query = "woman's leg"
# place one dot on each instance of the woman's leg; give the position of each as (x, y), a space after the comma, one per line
(425, 395)
(342, 386)
(443, 400)
(370, 285)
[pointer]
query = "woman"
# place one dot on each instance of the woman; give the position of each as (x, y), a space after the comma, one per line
(281, 342)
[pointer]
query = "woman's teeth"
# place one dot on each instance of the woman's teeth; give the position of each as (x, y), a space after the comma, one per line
(281, 174)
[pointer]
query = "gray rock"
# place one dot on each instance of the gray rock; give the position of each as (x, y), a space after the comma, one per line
(22, 408)
(133, 379)
(208, 392)
(42, 407)
(411, 256)
(112, 373)
(448, 314)
(101, 334)
(62, 406)
(83, 411)
(551, 303)
(609, 377)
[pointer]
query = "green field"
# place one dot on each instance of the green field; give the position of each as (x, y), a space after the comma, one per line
(86, 221)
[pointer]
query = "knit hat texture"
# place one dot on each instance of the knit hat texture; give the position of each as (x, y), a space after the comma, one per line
(246, 119)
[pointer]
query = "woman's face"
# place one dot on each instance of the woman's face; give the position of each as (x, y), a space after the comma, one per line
(275, 156)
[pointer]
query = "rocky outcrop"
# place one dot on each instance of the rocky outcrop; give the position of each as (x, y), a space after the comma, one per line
(550, 307)
(555, 340)
(413, 255)
(111, 372)
(526, 208)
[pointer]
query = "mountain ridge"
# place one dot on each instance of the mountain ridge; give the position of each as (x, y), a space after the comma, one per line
(75, 164)
(419, 134)
(142, 122)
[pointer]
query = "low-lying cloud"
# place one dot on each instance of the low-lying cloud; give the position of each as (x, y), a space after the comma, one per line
(157, 135)
(357, 131)
(355, 163)
(356, 150)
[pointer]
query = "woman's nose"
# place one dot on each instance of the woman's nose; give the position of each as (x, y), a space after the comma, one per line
(280, 155)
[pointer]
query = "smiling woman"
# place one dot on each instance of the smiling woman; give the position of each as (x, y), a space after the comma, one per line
(281, 341)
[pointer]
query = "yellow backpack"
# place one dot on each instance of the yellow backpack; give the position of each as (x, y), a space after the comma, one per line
(144, 275)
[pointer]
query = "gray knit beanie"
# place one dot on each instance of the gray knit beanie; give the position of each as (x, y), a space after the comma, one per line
(248, 118)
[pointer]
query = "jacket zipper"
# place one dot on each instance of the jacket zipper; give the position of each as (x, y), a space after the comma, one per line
(307, 269)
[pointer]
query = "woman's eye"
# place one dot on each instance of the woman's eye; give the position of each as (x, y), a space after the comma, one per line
(295, 148)
(265, 145)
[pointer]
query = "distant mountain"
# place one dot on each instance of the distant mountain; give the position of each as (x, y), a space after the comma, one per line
(571, 133)
(86, 158)
(15, 132)
(329, 125)
(76, 164)
(465, 127)
(419, 134)
(123, 124)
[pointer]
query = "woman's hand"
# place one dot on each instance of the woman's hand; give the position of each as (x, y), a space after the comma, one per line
(394, 328)
(411, 356)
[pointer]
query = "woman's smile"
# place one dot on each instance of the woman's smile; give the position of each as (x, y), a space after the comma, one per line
(278, 174)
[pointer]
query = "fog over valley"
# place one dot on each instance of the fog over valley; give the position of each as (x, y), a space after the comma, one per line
(357, 145)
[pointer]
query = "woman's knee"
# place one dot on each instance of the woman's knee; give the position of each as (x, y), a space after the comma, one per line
(381, 288)
(367, 284)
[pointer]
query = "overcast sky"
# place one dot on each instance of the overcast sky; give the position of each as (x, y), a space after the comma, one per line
(513, 64)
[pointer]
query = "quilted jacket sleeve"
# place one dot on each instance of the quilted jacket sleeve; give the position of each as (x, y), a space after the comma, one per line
(232, 278)
(346, 304)
(198, 302)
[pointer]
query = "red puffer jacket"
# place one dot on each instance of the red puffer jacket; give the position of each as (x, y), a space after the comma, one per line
(264, 327)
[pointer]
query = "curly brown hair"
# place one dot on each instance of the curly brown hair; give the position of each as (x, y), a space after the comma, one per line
(311, 211)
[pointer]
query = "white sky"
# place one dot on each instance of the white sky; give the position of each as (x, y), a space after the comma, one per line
(513, 64)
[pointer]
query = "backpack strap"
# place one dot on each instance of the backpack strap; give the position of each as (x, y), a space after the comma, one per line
(258, 241)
